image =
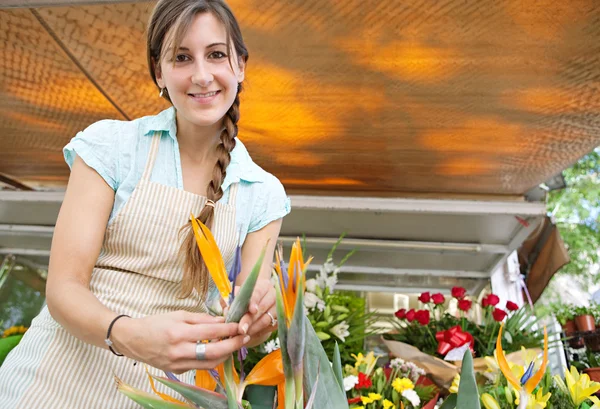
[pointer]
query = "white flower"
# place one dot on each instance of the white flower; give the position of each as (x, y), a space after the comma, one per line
(350, 382)
(321, 305)
(271, 346)
(340, 330)
(412, 396)
(396, 363)
(311, 300)
(311, 285)
(331, 282)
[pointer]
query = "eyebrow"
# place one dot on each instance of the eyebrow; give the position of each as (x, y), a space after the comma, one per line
(208, 46)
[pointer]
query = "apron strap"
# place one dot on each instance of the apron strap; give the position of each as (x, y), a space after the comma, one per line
(152, 156)
(233, 188)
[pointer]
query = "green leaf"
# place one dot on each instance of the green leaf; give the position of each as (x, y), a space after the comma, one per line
(322, 324)
(450, 402)
(468, 395)
(230, 385)
(340, 308)
(296, 332)
(239, 306)
(282, 333)
(337, 366)
(199, 396)
(323, 336)
(317, 367)
(147, 400)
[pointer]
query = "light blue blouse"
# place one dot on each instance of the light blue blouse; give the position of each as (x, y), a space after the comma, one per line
(118, 151)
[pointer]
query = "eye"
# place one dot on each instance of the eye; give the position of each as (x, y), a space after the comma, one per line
(217, 55)
(181, 58)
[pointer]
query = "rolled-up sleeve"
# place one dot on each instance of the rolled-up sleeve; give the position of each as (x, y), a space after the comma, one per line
(270, 203)
(97, 147)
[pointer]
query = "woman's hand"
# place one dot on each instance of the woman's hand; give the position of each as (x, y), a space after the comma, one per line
(257, 323)
(168, 341)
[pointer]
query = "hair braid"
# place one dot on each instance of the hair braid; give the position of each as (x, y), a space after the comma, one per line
(195, 272)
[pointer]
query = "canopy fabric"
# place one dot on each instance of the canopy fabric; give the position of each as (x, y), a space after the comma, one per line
(346, 97)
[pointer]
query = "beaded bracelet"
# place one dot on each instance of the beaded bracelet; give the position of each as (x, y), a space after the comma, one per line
(107, 340)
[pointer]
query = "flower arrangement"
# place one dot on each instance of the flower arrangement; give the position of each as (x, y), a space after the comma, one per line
(300, 368)
(337, 317)
(434, 331)
(393, 386)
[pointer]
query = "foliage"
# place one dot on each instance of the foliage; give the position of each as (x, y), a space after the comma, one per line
(576, 211)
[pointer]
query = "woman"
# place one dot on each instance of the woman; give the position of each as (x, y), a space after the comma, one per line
(126, 283)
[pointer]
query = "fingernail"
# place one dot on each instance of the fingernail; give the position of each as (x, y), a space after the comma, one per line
(246, 339)
(256, 308)
(245, 328)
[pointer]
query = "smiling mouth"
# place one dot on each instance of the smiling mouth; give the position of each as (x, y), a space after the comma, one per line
(205, 95)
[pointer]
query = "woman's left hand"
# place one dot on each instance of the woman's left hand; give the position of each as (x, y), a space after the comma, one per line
(257, 322)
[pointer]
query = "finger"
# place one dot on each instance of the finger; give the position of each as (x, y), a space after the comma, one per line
(261, 325)
(245, 323)
(191, 364)
(259, 293)
(211, 331)
(199, 318)
(267, 303)
(215, 351)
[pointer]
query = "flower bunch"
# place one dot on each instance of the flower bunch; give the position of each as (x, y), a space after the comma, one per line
(437, 331)
(394, 386)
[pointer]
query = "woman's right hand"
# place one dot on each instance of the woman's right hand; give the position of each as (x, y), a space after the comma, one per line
(168, 341)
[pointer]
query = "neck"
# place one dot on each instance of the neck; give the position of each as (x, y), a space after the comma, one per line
(198, 142)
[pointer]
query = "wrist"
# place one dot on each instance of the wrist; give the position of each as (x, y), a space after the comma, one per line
(120, 335)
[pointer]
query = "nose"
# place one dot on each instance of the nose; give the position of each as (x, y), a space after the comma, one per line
(202, 75)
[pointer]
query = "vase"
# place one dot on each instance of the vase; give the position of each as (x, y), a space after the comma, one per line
(585, 323)
(261, 397)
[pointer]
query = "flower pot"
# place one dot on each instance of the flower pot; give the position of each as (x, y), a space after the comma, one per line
(261, 397)
(569, 327)
(585, 323)
(592, 341)
(593, 373)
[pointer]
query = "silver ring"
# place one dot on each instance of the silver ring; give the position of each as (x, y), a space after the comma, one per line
(200, 351)
(273, 320)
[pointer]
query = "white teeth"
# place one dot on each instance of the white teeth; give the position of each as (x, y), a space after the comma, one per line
(209, 94)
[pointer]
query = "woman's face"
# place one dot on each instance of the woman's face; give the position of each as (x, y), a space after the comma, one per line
(201, 82)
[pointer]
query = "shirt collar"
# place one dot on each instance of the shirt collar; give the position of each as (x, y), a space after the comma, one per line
(241, 167)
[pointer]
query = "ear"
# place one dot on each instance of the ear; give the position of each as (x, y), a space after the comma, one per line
(158, 74)
(242, 70)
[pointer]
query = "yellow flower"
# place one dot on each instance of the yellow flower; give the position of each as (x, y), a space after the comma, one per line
(402, 384)
(366, 400)
(489, 402)
(455, 383)
(595, 401)
(16, 330)
(538, 401)
(369, 361)
(388, 405)
(374, 397)
(579, 386)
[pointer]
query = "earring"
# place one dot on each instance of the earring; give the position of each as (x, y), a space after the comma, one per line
(161, 93)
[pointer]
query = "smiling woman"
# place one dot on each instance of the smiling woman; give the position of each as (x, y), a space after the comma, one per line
(123, 250)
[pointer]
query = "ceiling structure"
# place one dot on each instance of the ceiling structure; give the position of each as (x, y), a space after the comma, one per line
(344, 96)
(416, 127)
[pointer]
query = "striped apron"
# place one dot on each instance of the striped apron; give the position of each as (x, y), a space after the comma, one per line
(137, 273)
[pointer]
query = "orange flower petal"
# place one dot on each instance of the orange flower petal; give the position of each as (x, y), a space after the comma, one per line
(221, 370)
(268, 371)
(205, 380)
(535, 379)
(281, 396)
(503, 363)
(163, 396)
(212, 257)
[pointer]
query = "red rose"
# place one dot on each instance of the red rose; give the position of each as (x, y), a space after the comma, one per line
(388, 372)
(511, 306)
(464, 305)
(363, 381)
(499, 314)
(422, 316)
(410, 315)
(425, 297)
(490, 300)
(438, 299)
(354, 400)
(458, 292)
(400, 314)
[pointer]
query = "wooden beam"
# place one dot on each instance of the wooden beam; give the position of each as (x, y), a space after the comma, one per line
(13, 183)
(52, 3)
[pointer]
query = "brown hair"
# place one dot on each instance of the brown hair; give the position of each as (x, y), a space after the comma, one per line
(176, 16)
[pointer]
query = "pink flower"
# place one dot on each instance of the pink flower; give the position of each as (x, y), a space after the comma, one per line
(400, 314)
(499, 314)
(425, 297)
(422, 316)
(458, 292)
(511, 306)
(438, 298)
(465, 305)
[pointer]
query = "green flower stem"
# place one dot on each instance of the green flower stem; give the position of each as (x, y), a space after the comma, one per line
(230, 386)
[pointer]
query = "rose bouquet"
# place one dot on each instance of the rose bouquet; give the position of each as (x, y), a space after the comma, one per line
(394, 386)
